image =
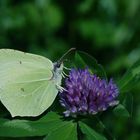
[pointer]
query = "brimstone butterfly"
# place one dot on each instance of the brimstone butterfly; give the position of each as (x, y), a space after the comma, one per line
(28, 83)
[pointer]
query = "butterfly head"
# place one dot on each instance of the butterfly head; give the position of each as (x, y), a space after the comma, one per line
(58, 69)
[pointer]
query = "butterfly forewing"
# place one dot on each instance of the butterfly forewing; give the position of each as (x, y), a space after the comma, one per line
(27, 87)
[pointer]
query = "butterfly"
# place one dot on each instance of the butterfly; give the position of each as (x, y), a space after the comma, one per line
(29, 83)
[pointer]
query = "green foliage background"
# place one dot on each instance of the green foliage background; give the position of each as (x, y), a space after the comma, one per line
(107, 29)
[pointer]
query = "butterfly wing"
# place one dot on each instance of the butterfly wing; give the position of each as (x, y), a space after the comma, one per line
(26, 84)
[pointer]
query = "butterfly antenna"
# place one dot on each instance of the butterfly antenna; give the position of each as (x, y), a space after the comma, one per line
(59, 62)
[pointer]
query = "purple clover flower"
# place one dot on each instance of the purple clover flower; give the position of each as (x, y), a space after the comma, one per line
(86, 93)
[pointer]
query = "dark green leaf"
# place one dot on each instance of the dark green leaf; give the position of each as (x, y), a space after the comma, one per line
(84, 60)
(90, 133)
(121, 111)
(128, 103)
(67, 131)
(79, 61)
(22, 128)
(131, 77)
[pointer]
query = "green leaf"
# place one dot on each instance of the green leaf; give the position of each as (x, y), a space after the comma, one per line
(79, 61)
(68, 131)
(84, 60)
(131, 77)
(121, 111)
(23, 128)
(128, 103)
(90, 133)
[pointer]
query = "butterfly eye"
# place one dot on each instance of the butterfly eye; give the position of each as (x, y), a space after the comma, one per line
(56, 65)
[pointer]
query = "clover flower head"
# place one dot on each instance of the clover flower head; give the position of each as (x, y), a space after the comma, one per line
(86, 93)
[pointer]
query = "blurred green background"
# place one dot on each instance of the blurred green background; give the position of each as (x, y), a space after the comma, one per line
(107, 29)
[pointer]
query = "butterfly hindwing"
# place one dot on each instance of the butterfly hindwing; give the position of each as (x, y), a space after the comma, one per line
(28, 99)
